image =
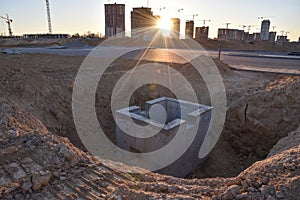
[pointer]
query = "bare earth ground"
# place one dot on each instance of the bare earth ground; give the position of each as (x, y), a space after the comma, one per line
(35, 94)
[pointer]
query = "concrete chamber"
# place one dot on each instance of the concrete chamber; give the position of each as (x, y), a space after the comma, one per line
(168, 116)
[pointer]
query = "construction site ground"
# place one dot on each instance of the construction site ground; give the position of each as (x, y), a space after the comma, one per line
(42, 156)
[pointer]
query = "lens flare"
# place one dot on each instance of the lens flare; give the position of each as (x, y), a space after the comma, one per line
(164, 23)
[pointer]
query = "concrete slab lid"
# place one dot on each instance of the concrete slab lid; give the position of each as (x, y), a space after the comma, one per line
(129, 113)
(135, 113)
(200, 111)
(202, 108)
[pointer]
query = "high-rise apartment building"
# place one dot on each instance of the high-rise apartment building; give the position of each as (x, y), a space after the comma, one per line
(232, 34)
(282, 39)
(202, 33)
(272, 36)
(142, 18)
(189, 29)
(114, 19)
(175, 28)
(264, 32)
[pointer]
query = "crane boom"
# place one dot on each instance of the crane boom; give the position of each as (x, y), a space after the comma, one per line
(244, 26)
(48, 15)
(265, 17)
(227, 25)
(204, 21)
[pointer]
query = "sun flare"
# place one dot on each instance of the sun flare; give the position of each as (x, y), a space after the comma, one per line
(164, 23)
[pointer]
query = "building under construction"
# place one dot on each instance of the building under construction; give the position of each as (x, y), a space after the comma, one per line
(282, 39)
(142, 18)
(272, 36)
(175, 28)
(202, 33)
(189, 29)
(46, 36)
(114, 19)
(264, 32)
(230, 34)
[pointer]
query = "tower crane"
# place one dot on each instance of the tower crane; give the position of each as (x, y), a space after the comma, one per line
(193, 15)
(179, 10)
(249, 27)
(204, 21)
(48, 15)
(227, 24)
(160, 8)
(8, 21)
(244, 26)
(286, 33)
(265, 17)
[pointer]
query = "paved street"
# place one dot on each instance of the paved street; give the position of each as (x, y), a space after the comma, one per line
(238, 60)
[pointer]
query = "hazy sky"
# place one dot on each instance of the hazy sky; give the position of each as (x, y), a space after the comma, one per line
(79, 16)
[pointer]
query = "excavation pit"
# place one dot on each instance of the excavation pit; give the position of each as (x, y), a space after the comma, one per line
(168, 117)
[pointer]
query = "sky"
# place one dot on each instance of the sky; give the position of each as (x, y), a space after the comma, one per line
(81, 16)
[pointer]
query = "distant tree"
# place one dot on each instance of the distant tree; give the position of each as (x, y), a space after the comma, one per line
(76, 35)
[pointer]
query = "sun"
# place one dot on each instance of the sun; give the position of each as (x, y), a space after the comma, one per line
(164, 23)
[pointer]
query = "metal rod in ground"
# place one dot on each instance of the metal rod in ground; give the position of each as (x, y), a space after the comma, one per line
(220, 50)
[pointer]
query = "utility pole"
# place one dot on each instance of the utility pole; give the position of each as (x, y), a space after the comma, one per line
(220, 50)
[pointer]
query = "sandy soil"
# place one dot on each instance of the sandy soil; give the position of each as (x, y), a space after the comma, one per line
(42, 84)
(262, 108)
(36, 164)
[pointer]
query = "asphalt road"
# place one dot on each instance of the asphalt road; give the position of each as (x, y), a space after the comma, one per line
(262, 60)
(232, 58)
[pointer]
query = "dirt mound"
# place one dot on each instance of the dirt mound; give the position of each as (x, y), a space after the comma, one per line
(288, 142)
(43, 86)
(30, 156)
(259, 119)
(256, 119)
(39, 165)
